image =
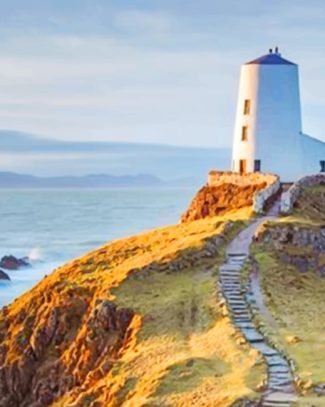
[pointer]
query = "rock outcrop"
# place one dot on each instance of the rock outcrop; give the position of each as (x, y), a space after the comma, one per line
(3, 275)
(218, 200)
(13, 263)
(50, 363)
(227, 191)
(301, 246)
(279, 235)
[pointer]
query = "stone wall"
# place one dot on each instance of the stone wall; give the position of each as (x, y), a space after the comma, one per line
(261, 197)
(289, 197)
(216, 178)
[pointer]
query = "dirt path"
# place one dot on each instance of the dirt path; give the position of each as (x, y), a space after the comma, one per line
(257, 295)
(280, 389)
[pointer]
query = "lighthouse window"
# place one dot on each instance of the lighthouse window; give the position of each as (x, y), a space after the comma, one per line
(257, 165)
(244, 133)
(247, 106)
(322, 166)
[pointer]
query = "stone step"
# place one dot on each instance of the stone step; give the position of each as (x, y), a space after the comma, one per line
(252, 335)
(227, 270)
(227, 283)
(239, 318)
(239, 310)
(230, 292)
(229, 280)
(276, 361)
(231, 288)
(247, 325)
(234, 254)
(241, 314)
(235, 297)
(235, 303)
(265, 349)
(228, 267)
(239, 257)
(236, 262)
(280, 375)
(236, 258)
(278, 369)
(279, 399)
(230, 273)
(278, 384)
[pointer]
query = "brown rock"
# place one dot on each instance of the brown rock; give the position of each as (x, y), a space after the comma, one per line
(218, 200)
(13, 263)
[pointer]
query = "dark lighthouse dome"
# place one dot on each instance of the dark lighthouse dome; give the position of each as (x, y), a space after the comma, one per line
(272, 58)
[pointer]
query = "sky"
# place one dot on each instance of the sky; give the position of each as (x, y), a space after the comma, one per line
(152, 71)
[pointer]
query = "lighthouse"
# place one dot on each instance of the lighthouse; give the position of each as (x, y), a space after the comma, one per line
(268, 130)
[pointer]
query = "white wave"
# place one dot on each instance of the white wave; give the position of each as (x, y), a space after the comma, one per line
(35, 254)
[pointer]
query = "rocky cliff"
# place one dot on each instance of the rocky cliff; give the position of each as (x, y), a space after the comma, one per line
(227, 192)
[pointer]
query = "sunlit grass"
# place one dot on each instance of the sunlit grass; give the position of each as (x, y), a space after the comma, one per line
(180, 350)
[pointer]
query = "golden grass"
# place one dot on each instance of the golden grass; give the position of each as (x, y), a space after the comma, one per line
(186, 353)
(181, 352)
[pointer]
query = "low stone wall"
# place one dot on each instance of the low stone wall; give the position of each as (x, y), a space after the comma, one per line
(261, 197)
(216, 178)
(289, 197)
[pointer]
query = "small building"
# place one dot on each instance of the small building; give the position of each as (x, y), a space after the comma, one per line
(268, 133)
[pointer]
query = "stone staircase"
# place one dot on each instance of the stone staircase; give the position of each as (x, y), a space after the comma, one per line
(280, 390)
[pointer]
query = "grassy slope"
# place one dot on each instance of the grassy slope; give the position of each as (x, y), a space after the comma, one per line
(182, 350)
(297, 300)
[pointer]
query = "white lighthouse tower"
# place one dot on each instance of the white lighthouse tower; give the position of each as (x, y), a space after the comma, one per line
(268, 122)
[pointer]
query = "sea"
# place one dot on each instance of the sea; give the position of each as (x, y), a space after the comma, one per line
(52, 227)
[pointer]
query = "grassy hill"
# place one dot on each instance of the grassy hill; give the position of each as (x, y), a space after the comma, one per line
(293, 281)
(136, 321)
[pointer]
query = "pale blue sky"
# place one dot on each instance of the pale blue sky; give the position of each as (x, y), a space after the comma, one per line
(159, 71)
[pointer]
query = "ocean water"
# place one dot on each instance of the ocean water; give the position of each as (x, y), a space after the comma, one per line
(54, 226)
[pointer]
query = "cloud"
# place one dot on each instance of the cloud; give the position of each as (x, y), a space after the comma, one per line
(109, 89)
(164, 71)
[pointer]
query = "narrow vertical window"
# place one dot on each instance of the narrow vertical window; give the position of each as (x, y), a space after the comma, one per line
(257, 165)
(244, 133)
(322, 166)
(247, 106)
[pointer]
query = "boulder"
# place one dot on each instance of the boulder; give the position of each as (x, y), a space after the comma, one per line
(3, 275)
(13, 263)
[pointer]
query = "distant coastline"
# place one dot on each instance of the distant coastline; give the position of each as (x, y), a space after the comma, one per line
(13, 180)
(9, 180)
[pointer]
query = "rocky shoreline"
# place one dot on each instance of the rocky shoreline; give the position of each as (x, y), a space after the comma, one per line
(12, 263)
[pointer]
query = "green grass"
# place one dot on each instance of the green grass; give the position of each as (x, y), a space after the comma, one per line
(296, 301)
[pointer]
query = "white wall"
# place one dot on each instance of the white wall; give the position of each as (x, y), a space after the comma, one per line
(313, 153)
(274, 122)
